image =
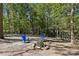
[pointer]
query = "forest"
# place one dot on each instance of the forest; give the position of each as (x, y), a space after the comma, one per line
(37, 17)
(56, 20)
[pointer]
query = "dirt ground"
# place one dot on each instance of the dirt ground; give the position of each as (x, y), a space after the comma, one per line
(11, 47)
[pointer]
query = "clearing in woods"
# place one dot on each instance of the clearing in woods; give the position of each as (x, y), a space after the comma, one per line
(15, 47)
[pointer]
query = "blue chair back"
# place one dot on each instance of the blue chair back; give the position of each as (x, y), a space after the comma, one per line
(24, 37)
(42, 36)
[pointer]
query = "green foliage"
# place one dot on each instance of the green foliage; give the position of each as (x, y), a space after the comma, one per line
(35, 18)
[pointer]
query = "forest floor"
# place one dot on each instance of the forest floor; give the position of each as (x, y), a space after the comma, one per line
(12, 47)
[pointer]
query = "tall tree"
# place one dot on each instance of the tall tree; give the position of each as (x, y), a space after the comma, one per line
(1, 20)
(72, 23)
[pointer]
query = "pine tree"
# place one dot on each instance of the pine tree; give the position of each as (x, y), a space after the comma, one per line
(1, 21)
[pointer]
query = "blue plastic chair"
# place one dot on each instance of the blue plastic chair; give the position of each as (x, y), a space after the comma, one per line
(24, 37)
(42, 36)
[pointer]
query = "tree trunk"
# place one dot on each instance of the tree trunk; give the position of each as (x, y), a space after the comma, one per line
(1, 20)
(72, 25)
